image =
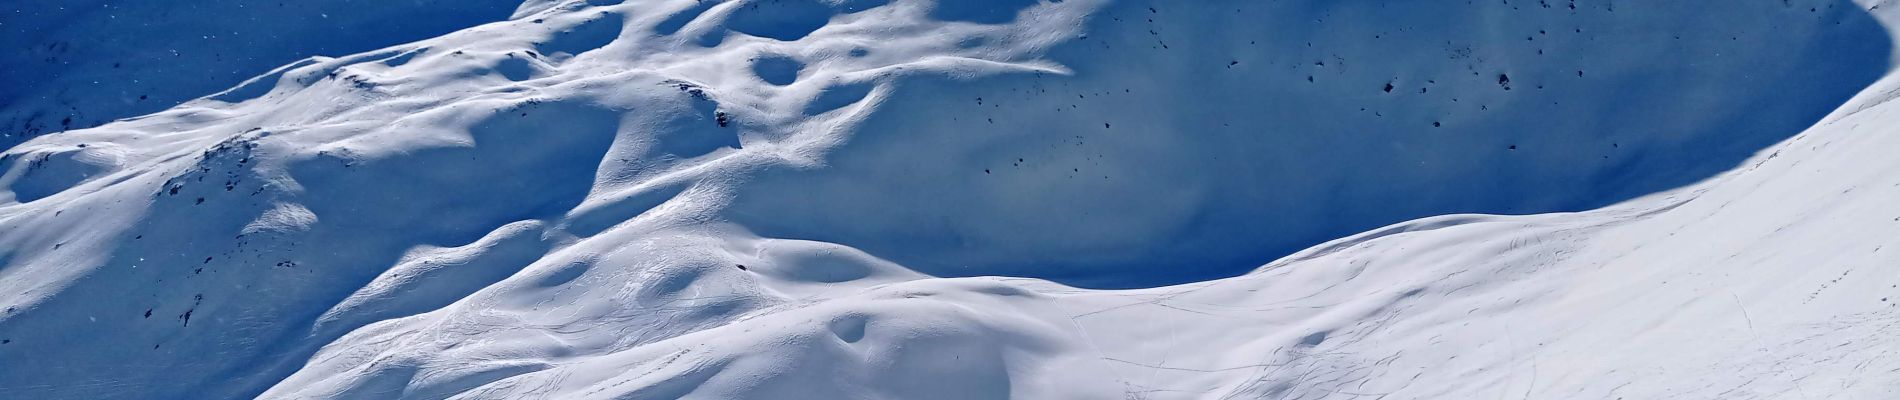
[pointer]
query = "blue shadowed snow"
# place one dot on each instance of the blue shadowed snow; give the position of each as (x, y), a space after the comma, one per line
(1199, 142)
(78, 64)
(742, 199)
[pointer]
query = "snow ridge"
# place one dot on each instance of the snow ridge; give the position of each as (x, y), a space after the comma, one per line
(987, 199)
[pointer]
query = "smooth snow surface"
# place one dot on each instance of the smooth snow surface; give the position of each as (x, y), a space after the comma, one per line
(918, 199)
(73, 64)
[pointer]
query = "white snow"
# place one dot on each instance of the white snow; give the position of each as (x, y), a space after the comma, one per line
(938, 199)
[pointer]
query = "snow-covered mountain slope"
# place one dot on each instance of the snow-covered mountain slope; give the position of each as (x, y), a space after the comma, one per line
(928, 199)
(74, 64)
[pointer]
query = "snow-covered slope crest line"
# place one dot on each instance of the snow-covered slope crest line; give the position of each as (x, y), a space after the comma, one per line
(210, 250)
(82, 63)
(853, 198)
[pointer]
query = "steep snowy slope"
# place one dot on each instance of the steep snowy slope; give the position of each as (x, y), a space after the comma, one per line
(74, 64)
(1188, 140)
(856, 198)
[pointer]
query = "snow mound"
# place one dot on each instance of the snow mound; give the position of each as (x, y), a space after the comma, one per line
(981, 199)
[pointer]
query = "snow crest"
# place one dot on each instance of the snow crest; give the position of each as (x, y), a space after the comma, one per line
(922, 199)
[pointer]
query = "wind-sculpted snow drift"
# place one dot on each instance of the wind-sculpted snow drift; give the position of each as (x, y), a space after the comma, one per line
(910, 198)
